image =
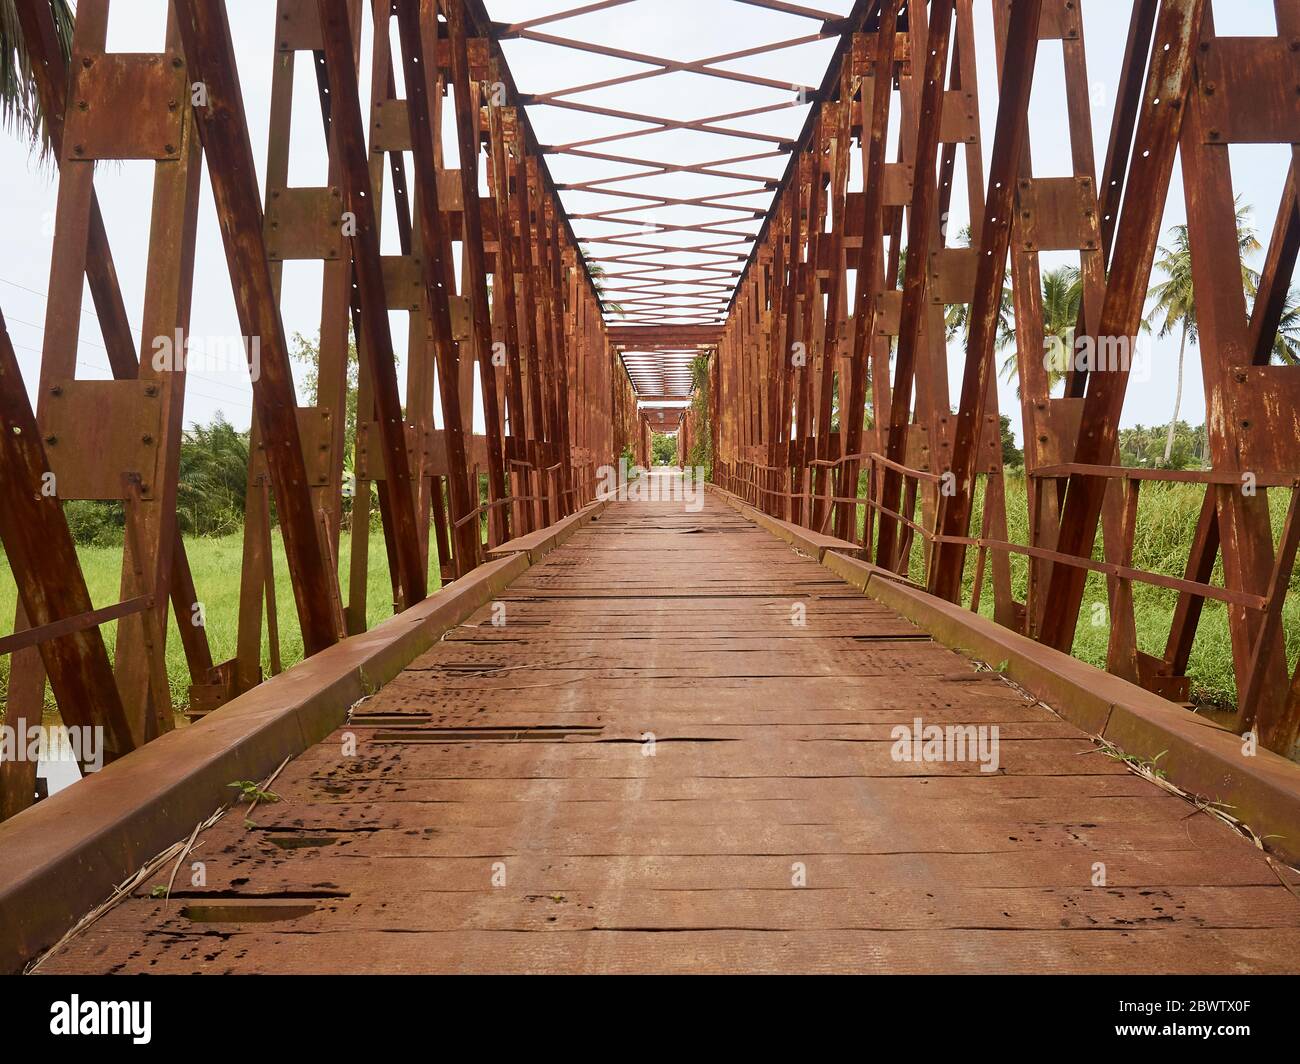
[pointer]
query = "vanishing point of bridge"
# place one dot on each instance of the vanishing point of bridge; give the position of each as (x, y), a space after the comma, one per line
(818, 714)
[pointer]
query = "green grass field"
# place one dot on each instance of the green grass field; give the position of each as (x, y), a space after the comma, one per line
(1166, 522)
(216, 563)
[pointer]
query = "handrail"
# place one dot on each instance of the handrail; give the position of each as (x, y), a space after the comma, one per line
(1123, 572)
(1226, 477)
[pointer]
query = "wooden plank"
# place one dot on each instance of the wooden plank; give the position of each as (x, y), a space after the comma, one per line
(538, 836)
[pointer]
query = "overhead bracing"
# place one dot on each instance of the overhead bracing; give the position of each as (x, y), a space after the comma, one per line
(835, 413)
(525, 324)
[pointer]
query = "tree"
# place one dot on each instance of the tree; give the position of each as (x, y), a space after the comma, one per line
(1175, 300)
(701, 456)
(1011, 454)
(663, 449)
(212, 487)
(1144, 447)
(1062, 296)
(597, 274)
(307, 353)
(20, 104)
(1286, 345)
(957, 318)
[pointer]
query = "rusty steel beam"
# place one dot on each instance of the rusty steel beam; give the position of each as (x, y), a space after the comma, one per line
(945, 577)
(205, 32)
(376, 341)
(50, 71)
(1159, 125)
(923, 225)
(44, 563)
(417, 27)
(878, 85)
(475, 274)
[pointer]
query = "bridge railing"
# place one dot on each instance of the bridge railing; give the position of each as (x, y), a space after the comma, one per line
(524, 415)
(1163, 674)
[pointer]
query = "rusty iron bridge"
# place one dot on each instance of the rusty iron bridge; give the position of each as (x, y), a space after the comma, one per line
(660, 725)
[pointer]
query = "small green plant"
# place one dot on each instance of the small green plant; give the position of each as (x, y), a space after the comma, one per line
(158, 892)
(1144, 765)
(252, 792)
(628, 460)
(701, 456)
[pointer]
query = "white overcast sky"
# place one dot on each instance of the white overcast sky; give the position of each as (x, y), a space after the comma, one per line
(678, 29)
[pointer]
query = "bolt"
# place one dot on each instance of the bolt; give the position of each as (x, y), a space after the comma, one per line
(78, 149)
(146, 439)
(169, 149)
(82, 105)
(151, 389)
(57, 390)
(86, 61)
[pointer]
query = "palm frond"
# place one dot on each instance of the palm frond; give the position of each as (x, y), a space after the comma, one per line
(20, 103)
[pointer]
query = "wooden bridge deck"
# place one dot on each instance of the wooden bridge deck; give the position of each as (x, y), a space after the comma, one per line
(501, 812)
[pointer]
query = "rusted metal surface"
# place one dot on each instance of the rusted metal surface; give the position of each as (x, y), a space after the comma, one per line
(375, 341)
(50, 582)
(780, 447)
(652, 769)
(822, 308)
(92, 433)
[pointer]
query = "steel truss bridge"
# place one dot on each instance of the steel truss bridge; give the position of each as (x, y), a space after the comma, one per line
(782, 299)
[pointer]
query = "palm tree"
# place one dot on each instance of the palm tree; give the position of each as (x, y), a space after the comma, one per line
(597, 274)
(20, 104)
(213, 483)
(1062, 295)
(957, 319)
(1286, 345)
(1175, 301)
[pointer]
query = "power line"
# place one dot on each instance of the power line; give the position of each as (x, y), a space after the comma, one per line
(91, 365)
(92, 343)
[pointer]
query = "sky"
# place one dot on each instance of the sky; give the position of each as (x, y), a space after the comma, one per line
(674, 29)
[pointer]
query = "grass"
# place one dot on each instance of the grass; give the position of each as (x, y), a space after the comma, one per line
(216, 563)
(1167, 516)
(1166, 522)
